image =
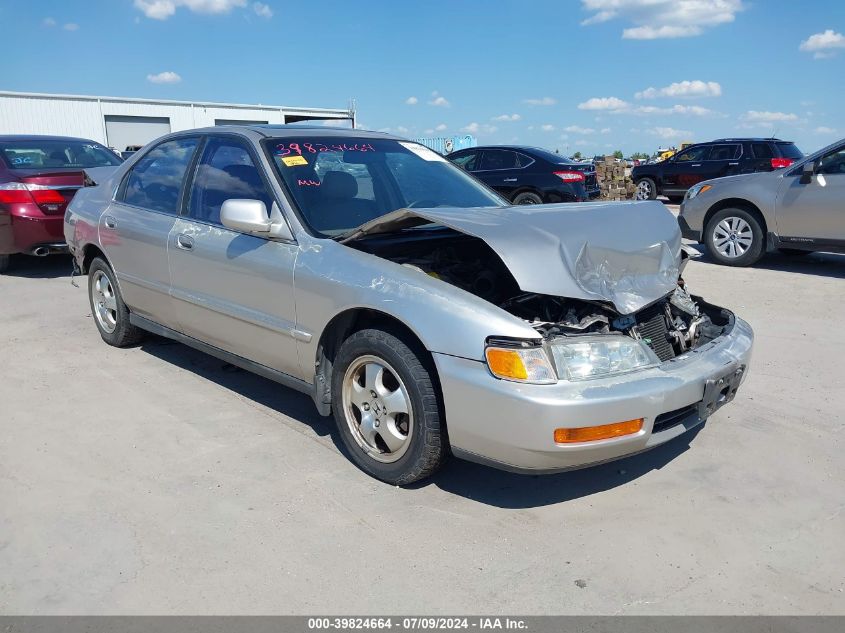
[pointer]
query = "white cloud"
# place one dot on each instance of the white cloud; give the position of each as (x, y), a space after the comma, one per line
(659, 19)
(669, 133)
(604, 103)
(262, 10)
(696, 88)
(163, 9)
(439, 101)
(756, 116)
(547, 127)
(577, 129)
(71, 26)
(544, 101)
(441, 127)
(823, 45)
(48, 22)
(507, 117)
(166, 77)
(824, 130)
(412, 101)
(476, 128)
(605, 130)
(402, 129)
(428, 131)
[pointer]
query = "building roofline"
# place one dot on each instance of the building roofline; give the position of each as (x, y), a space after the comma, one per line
(338, 113)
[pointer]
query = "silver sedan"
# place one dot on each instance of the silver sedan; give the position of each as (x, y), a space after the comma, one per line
(428, 316)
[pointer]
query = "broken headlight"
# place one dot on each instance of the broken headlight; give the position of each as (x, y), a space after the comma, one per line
(599, 356)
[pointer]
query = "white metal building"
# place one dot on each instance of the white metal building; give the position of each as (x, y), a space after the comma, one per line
(120, 122)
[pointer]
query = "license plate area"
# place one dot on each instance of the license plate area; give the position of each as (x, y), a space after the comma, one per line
(720, 391)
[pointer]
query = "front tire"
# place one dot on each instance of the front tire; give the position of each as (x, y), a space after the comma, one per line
(646, 189)
(387, 409)
(734, 237)
(528, 197)
(111, 315)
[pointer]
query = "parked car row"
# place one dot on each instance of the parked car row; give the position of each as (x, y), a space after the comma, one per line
(723, 157)
(423, 310)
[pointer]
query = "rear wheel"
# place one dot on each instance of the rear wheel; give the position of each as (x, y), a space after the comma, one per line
(110, 313)
(4, 263)
(528, 197)
(646, 189)
(734, 237)
(675, 199)
(386, 408)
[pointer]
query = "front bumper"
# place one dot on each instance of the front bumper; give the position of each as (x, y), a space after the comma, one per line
(688, 232)
(511, 425)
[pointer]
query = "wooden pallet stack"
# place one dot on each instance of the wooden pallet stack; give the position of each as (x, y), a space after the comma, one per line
(614, 179)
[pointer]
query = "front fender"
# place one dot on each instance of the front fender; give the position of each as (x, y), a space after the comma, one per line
(331, 278)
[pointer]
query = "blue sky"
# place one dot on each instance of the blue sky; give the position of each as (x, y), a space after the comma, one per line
(587, 75)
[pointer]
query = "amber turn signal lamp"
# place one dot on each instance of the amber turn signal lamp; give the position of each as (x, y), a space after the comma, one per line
(506, 363)
(593, 433)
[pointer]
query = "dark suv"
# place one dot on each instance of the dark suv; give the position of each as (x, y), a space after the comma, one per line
(722, 157)
(529, 175)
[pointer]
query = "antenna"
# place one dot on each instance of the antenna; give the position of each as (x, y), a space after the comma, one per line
(774, 132)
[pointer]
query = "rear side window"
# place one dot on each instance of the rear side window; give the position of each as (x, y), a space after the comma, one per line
(789, 150)
(762, 150)
(833, 163)
(52, 154)
(225, 171)
(498, 159)
(156, 180)
(724, 152)
(468, 161)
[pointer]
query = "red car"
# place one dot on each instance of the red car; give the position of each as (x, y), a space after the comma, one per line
(38, 177)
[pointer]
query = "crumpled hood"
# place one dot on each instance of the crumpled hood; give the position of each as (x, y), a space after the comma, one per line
(627, 253)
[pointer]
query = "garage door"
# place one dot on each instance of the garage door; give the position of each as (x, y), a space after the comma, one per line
(123, 131)
(238, 122)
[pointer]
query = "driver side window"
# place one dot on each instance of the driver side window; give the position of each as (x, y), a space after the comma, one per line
(691, 155)
(156, 180)
(833, 163)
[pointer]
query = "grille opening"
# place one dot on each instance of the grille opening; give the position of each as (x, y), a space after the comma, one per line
(651, 324)
(673, 418)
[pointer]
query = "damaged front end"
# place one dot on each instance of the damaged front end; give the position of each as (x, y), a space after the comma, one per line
(632, 311)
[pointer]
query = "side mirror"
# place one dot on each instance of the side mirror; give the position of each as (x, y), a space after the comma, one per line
(807, 171)
(250, 216)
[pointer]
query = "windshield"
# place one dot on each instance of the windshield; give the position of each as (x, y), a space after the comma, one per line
(340, 183)
(55, 153)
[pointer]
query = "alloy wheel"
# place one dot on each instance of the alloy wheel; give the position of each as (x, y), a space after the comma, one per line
(377, 408)
(732, 237)
(104, 302)
(644, 190)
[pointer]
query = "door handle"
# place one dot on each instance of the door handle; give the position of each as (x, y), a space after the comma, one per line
(696, 165)
(185, 242)
(733, 164)
(110, 222)
(510, 180)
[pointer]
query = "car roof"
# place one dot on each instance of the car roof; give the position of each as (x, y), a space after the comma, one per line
(296, 129)
(754, 139)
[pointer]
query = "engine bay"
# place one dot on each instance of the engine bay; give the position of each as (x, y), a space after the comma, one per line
(671, 326)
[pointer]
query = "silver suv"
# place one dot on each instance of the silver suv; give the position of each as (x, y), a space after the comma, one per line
(797, 210)
(411, 302)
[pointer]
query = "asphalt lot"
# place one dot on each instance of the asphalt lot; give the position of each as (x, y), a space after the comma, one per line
(159, 480)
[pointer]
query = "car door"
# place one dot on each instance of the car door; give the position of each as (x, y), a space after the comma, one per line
(134, 229)
(233, 290)
(815, 210)
(684, 169)
(467, 159)
(722, 160)
(500, 170)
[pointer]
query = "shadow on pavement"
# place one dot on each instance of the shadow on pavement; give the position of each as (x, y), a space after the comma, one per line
(473, 481)
(50, 267)
(819, 264)
(262, 390)
(509, 490)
